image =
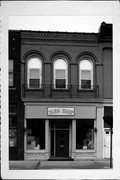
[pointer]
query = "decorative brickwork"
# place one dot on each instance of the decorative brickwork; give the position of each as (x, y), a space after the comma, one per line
(59, 36)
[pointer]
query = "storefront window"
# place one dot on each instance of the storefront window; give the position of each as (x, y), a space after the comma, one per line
(35, 134)
(12, 126)
(13, 137)
(85, 134)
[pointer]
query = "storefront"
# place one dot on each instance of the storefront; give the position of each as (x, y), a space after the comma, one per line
(61, 131)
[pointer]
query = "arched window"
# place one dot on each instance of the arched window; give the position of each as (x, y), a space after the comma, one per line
(60, 74)
(86, 74)
(34, 72)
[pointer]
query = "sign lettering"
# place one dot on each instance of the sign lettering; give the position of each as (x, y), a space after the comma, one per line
(61, 111)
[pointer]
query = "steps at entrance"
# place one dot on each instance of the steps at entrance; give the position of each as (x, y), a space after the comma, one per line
(60, 159)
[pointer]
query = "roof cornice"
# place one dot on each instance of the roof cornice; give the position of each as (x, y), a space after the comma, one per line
(59, 36)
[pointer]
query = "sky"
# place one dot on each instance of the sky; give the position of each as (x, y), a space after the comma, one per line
(58, 23)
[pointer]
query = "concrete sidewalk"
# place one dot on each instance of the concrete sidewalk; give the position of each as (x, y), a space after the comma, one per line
(31, 164)
(81, 164)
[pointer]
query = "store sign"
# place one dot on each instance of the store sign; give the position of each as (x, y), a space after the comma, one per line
(60, 111)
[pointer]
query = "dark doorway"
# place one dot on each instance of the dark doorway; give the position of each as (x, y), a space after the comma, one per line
(60, 138)
(62, 143)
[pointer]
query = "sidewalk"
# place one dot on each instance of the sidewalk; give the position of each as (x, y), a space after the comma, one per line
(81, 164)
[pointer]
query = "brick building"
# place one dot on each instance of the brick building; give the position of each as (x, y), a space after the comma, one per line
(60, 88)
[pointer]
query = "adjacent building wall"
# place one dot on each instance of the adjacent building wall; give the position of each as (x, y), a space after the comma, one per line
(108, 73)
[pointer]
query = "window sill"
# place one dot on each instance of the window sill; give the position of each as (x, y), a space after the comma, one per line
(34, 89)
(85, 150)
(12, 88)
(60, 89)
(86, 89)
(36, 151)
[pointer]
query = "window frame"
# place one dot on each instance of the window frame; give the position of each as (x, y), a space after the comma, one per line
(27, 129)
(94, 142)
(66, 73)
(91, 72)
(40, 72)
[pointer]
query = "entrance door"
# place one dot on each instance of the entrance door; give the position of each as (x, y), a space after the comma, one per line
(106, 143)
(60, 138)
(62, 143)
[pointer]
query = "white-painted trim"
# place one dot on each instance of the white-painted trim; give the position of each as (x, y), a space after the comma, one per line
(100, 114)
(73, 137)
(85, 150)
(36, 151)
(70, 139)
(46, 135)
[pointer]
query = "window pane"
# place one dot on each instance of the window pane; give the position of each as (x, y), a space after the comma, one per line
(10, 65)
(60, 64)
(34, 83)
(12, 137)
(34, 74)
(86, 65)
(35, 134)
(86, 84)
(60, 74)
(60, 83)
(34, 63)
(10, 79)
(85, 134)
(85, 74)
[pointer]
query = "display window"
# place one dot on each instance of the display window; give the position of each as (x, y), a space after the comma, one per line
(13, 137)
(85, 134)
(12, 126)
(35, 134)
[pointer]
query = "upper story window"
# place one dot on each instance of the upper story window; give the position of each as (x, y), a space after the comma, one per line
(86, 74)
(34, 73)
(11, 73)
(60, 74)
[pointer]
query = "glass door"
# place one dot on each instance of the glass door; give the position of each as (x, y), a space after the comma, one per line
(60, 138)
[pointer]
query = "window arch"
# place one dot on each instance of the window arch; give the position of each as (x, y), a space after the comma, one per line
(34, 72)
(86, 74)
(60, 73)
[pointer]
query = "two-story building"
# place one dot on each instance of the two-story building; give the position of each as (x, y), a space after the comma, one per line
(60, 88)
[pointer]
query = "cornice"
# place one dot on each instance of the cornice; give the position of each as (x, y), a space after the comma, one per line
(59, 37)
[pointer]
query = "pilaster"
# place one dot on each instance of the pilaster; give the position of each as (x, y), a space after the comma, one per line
(47, 136)
(100, 134)
(73, 137)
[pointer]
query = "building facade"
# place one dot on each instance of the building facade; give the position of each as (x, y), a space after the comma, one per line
(60, 88)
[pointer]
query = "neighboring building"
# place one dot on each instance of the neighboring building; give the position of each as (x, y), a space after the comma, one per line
(60, 88)
(16, 106)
